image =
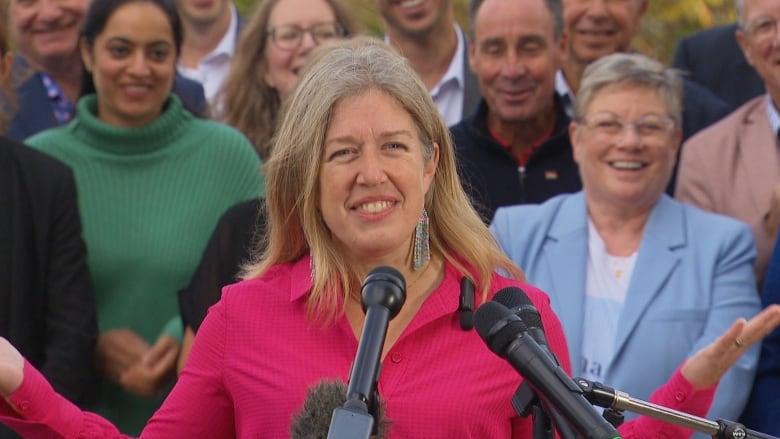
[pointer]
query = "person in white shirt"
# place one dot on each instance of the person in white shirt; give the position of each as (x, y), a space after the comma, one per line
(425, 32)
(211, 30)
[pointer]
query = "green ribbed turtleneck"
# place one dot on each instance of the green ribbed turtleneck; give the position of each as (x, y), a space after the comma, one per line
(149, 199)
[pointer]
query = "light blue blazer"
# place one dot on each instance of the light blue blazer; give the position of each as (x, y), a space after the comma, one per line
(692, 279)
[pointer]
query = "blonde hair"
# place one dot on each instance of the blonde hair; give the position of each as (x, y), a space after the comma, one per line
(295, 227)
(245, 101)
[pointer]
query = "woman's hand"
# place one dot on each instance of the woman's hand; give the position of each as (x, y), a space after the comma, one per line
(11, 368)
(147, 377)
(706, 367)
(117, 350)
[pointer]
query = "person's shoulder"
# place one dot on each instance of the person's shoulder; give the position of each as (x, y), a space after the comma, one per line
(529, 213)
(710, 35)
(704, 223)
(273, 286)
(223, 140)
(697, 97)
(30, 158)
(724, 130)
(51, 139)
(214, 129)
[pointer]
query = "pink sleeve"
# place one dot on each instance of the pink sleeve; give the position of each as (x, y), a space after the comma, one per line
(677, 394)
(198, 406)
(43, 413)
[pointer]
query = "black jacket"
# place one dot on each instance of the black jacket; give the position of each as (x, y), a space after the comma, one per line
(47, 306)
(491, 176)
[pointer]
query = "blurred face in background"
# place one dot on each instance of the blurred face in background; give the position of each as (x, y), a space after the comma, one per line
(133, 62)
(203, 12)
(515, 55)
(295, 28)
(760, 41)
(625, 146)
(46, 32)
(596, 28)
(415, 18)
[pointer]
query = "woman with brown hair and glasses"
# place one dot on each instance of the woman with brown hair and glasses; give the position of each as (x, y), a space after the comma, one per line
(274, 45)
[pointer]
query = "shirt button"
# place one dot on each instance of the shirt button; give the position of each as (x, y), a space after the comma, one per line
(679, 396)
(396, 357)
(24, 405)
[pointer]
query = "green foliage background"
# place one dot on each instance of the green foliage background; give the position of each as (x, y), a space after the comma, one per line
(665, 23)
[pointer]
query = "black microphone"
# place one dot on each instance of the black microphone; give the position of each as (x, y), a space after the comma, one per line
(466, 304)
(313, 421)
(521, 305)
(507, 336)
(382, 296)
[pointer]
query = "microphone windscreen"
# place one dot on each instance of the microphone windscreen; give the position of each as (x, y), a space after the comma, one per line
(313, 421)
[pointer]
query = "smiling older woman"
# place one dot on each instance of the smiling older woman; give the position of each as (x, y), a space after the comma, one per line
(649, 280)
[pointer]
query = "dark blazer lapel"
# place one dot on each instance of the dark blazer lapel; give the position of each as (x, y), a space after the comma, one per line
(664, 233)
(34, 113)
(471, 92)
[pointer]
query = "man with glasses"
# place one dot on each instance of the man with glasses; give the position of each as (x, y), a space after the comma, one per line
(211, 30)
(733, 167)
(515, 148)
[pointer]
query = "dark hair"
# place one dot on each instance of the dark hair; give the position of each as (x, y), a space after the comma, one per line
(100, 11)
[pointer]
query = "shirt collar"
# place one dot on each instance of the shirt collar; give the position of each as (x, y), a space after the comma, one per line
(566, 94)
(455, 70)
(227, 45)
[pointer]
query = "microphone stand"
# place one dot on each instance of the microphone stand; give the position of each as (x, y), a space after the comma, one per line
(609, 398)
(527, 403)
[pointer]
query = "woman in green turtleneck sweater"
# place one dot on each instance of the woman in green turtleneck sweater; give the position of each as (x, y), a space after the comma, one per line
(153, 181)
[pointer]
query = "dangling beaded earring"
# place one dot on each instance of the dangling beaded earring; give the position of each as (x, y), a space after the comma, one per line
(422, 242)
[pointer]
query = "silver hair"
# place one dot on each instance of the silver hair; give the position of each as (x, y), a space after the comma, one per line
(619, 69)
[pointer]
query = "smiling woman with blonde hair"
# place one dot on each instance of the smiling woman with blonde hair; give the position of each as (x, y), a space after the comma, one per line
(363, 176)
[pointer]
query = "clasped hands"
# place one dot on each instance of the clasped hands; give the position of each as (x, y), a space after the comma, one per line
(128, 360)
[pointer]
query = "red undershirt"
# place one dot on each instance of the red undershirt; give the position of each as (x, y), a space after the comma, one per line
(523, 157)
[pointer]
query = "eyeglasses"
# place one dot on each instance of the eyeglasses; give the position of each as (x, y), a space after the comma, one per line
(290, 36)
(651, 127)
(761, 29)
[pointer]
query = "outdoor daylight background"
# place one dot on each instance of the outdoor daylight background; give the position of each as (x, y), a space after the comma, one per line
(665, 22)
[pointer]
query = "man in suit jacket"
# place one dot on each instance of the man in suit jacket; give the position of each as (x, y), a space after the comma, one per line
(733, 167)
(433, 42)
(596, 29)
(713, 58)
(764, 404)
(692, 279)
(211, 31)
(515, 148)
(47, 306)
